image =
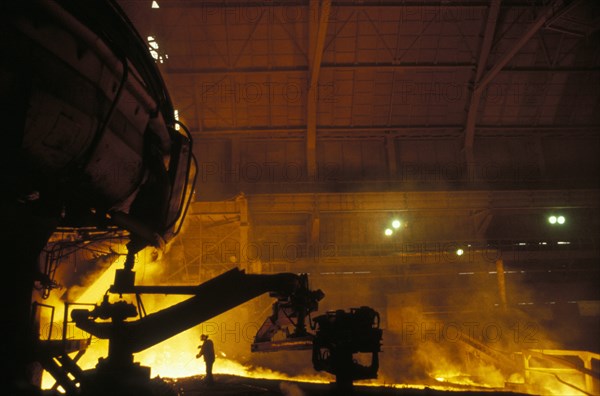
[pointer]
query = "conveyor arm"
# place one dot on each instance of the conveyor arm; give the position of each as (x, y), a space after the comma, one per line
(211, 298)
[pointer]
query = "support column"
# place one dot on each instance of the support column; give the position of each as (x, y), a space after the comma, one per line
(475, 99)
(242, 203)
(501, 283)
(390, 147)
(483, 76)
(589, 380)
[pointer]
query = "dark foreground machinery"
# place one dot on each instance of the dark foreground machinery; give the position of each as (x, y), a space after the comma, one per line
(92, 148)
(339, 336)
(334, 337)
(90, 142)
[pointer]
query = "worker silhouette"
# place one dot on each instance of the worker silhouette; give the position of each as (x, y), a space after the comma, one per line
(207, 350)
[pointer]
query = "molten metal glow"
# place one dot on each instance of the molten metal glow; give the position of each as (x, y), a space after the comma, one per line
(175, 357)
(489, 377)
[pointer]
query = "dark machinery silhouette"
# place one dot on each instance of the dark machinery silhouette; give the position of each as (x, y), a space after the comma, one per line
(208, 300)
(92, 143)
(334, 339)
(338, 334)
(342, 334)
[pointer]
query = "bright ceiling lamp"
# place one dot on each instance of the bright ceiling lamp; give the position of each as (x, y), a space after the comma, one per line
(557, 219)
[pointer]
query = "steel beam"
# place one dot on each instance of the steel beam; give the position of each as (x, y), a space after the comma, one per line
(401, 67)
(446, 201)
(385, 263)
(316, 47)
(486, 46)
(390, 147)
(210, 7)
(244, 230)
(540, 21)
(381, 131)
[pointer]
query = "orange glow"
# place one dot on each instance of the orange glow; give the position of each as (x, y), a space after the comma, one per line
(452, 376)
(175, 357)
(488, 377)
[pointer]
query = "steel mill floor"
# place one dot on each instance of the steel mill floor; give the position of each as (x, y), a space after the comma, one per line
(229, 385)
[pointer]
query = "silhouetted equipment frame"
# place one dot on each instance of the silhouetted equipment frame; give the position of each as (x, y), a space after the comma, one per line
(341, 334)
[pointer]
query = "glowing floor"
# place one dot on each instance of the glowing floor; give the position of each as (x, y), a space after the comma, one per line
(234, 385)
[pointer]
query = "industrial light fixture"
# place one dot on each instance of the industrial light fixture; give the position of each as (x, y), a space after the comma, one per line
(556, 219)
(395, 225)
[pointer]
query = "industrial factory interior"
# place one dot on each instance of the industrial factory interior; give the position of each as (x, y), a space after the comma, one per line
(346, 197)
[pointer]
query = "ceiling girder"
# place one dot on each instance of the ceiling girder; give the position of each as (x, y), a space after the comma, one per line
(318, 22)
(499, 200)
(486, 46)
(544, 19)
